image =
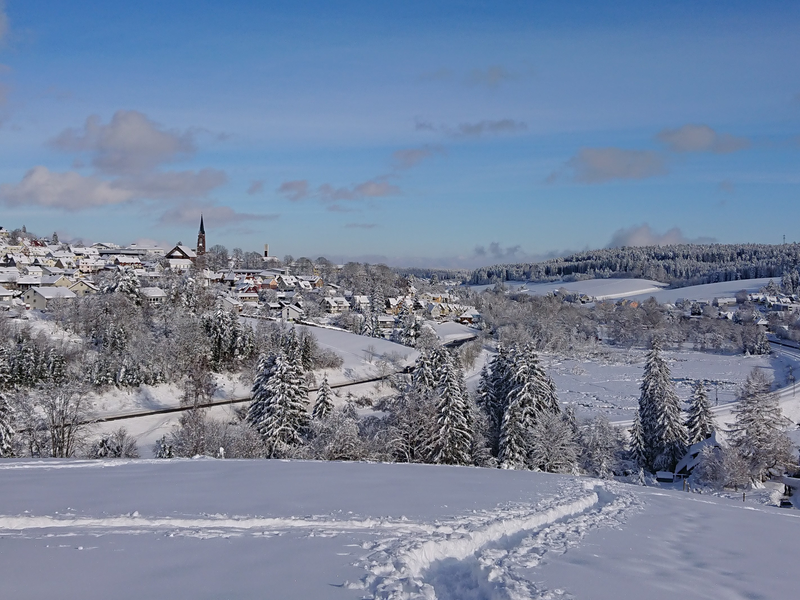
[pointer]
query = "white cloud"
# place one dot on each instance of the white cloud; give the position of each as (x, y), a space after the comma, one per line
(491, 76)
(361, 226)
(126, 154)
(294, 190)
(599, 165)
(643, 235)
(189, 214)
(487, 127)
(411, 157)
(374, 188)
(69, 190)
(701, 138)
(256, 187)
(129, 144)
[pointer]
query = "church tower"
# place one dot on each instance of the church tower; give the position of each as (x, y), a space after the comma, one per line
(201, 239)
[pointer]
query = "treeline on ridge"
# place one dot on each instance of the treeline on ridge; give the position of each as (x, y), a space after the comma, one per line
(679, 265)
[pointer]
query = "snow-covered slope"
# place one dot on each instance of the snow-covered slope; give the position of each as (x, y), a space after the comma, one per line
(280, 529)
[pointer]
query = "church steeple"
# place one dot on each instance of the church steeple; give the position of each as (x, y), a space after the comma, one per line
(201, 238)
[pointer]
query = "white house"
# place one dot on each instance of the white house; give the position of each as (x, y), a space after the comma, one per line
(40, 297)
(153, 295)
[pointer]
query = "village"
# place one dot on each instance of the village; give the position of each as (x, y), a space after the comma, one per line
(35, 273)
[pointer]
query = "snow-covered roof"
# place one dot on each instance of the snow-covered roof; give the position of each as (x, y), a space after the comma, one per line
(51, 293)
(153, 292)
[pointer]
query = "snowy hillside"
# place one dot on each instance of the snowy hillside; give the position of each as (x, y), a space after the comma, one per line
(278, 529)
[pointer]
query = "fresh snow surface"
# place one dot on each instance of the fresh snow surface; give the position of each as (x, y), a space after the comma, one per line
(450, 331)
(608, 383)
(638, 289)
(707, 292)
(601, 289)
(213, 529)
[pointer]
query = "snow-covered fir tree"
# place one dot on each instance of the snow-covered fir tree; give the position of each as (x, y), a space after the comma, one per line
(231, 341)
(600, 446)
(452, 441)
(6, 428)
(324, 403)
(663, 432)
(278, 409)
(423, 378)
(699, 420)
(759, 431)
(5, 369)
(553, 445)
(492, 394)
(125, 282)
(636, 446)
(526, 399)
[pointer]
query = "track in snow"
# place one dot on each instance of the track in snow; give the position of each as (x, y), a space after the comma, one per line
(488, 554)
(491, 555)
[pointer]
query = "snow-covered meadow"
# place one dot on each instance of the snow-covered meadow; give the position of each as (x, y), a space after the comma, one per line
(635, 289)
(291, 529)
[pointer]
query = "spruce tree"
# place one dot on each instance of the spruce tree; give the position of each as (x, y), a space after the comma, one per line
(638, 452)
(758, 433)
(6, 428)
(423, 378)
(453, 435)
(699, 420)
(663, 433)
(324, 403)
(278, 408)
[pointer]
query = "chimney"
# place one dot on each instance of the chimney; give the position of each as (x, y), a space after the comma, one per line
(266, 250)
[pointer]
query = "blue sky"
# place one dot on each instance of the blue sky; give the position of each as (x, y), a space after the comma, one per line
(445, 133)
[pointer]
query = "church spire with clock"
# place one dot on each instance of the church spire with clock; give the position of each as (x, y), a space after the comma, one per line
(201, 239)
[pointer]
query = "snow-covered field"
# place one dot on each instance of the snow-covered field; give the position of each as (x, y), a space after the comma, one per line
(609, 383)
(602, 289)
(637, 289)
(281, 529)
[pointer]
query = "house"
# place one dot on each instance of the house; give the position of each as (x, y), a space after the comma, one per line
(180, 264)
(26, 282)
(469, 316)
(336, 304)
(40, 298)
(291, 312)
(692, 456)
(181, 252)
(55, 281)
(5, 295)
(360, 302)
(83, 288)
(232, 304)
(153, 295)
(434, 310)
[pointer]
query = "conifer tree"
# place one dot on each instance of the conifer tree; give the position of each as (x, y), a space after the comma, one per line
(324, 403)
(278, 409)
(638, 452)
(758, 434)
(663, 433)
(423, 378)
(699, 420)
(6, 428)
(453, 436)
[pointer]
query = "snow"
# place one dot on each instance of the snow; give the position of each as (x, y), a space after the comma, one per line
(608, 382)
(601, 289)
(450, 331)
(638, 289)
(705, 292)
(291, 529)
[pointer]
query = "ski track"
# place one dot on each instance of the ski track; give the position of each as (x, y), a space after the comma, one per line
(490, 556)
(482, 555)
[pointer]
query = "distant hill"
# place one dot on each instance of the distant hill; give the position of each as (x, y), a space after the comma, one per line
(679, 265)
